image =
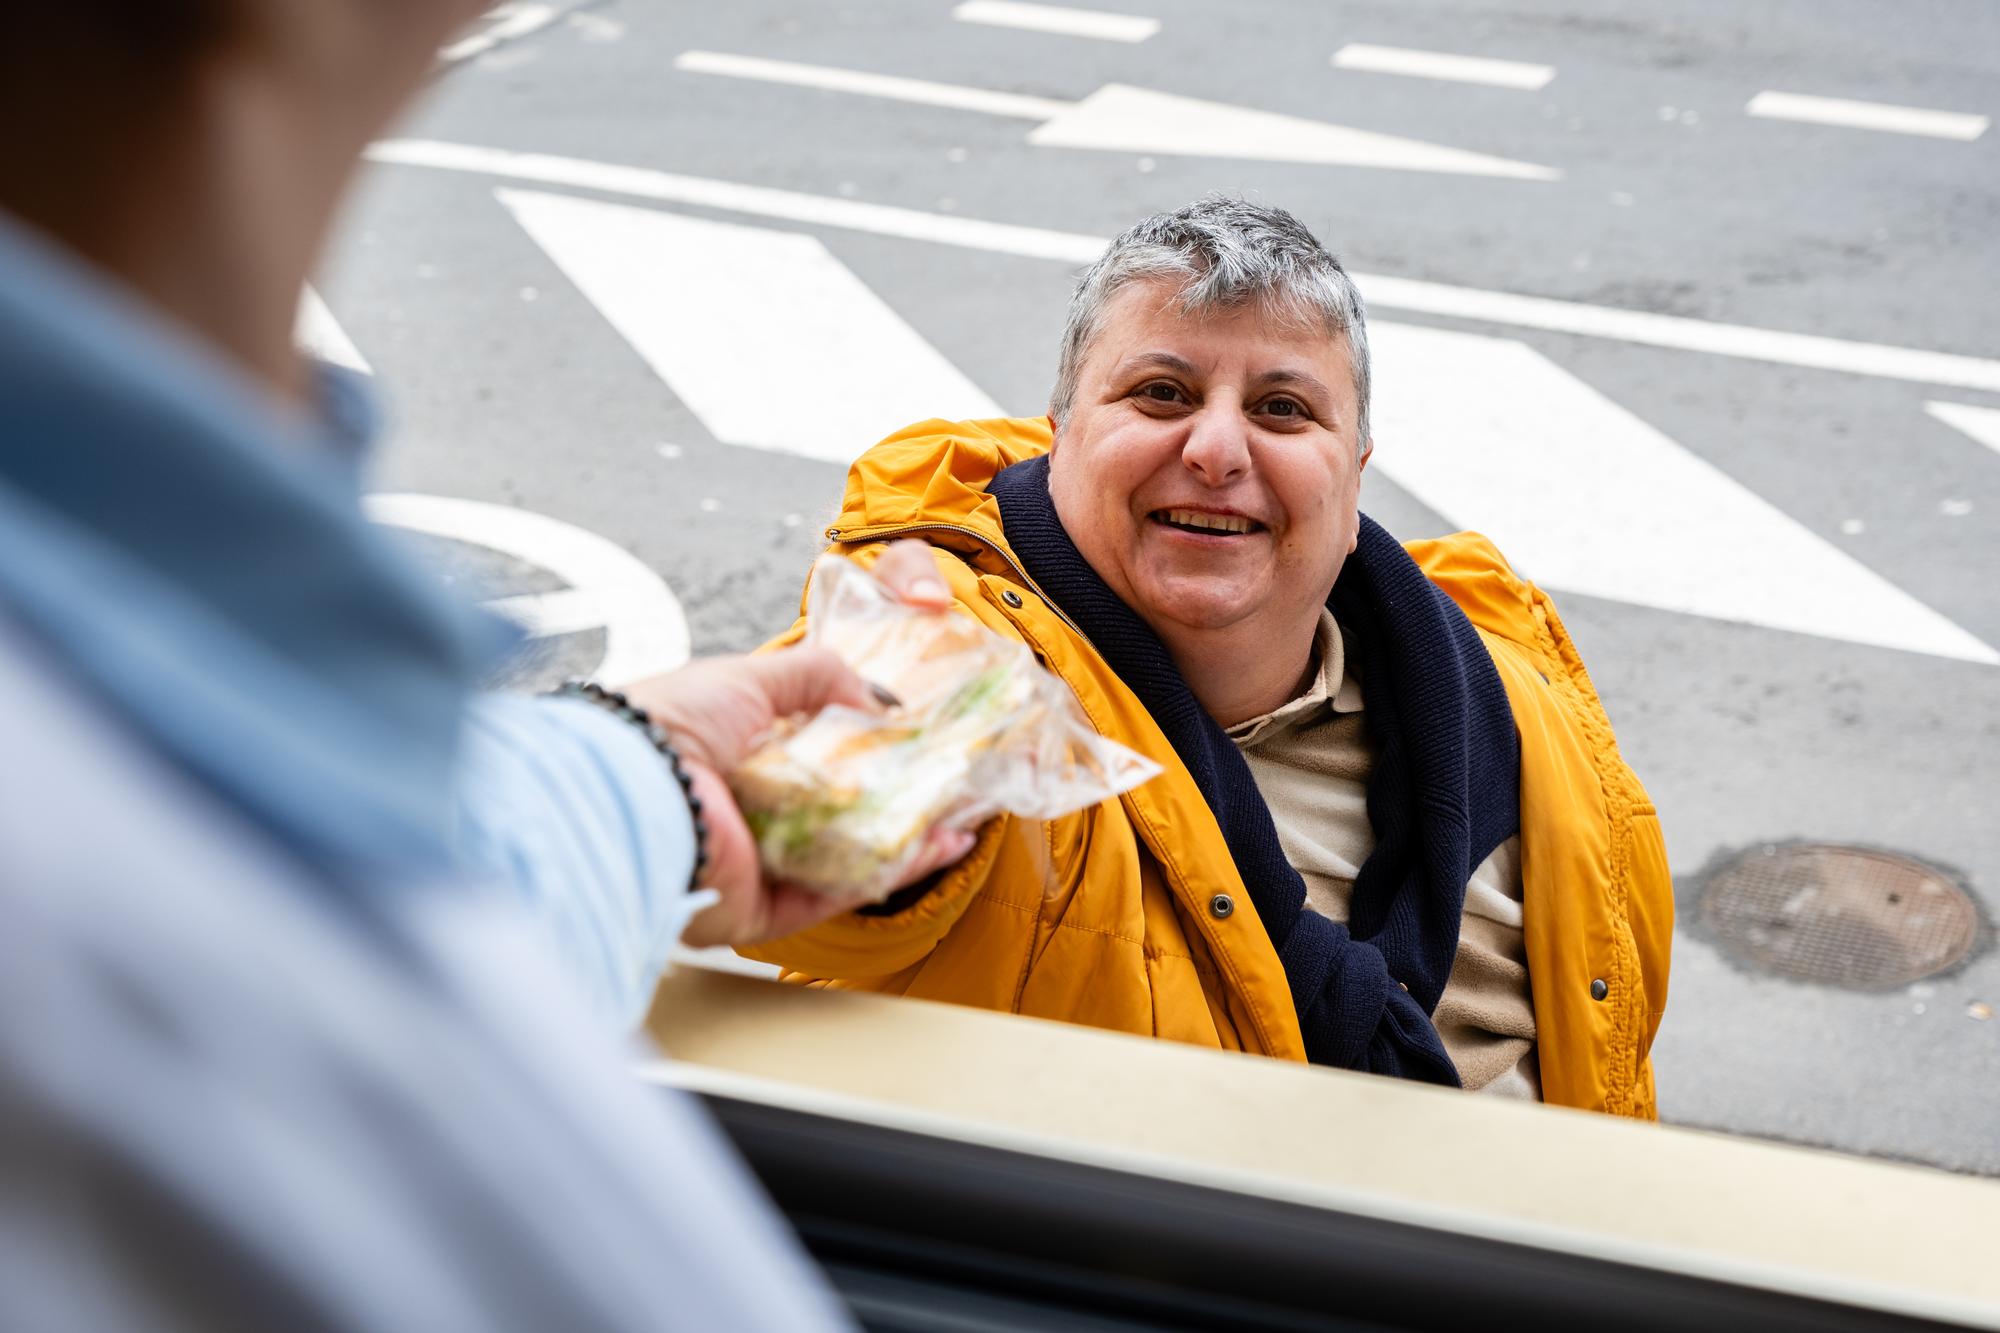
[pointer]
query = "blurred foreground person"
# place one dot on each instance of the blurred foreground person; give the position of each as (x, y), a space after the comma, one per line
(1393, 832)
(273, 1052)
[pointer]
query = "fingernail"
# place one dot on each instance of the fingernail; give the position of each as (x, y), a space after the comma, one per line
(929, 590)
(883, 697)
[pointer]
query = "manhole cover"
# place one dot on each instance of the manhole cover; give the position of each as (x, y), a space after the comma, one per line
(1841, 915)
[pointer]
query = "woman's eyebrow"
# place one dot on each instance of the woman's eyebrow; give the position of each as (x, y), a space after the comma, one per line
(1155, 361)
(1312, 384)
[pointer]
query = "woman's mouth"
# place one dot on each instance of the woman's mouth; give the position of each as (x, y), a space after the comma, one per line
(1205, 523)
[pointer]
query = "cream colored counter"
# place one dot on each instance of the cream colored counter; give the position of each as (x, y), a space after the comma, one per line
(1902, 1238)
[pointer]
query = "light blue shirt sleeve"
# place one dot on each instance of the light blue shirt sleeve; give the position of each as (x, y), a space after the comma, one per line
(572, 809)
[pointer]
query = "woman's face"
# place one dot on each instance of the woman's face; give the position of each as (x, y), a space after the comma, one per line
(1209, 468)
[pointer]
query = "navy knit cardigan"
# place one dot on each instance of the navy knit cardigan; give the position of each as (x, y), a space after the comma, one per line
(1443, 794)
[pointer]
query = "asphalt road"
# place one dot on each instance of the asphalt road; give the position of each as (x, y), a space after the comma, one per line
(1782, 563)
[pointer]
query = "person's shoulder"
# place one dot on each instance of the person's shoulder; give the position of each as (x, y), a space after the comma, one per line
(1001, 441)
(1522, 629)
(936, 471)
(1471, 571)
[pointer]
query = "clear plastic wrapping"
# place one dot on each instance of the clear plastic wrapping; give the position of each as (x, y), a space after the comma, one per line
(842, 802)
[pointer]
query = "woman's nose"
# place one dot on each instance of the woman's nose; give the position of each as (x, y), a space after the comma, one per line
(1218, 445)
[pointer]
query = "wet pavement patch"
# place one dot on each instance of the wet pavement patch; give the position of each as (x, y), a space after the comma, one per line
(1841, 916)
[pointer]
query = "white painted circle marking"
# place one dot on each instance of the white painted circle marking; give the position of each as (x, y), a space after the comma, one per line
(645, 629)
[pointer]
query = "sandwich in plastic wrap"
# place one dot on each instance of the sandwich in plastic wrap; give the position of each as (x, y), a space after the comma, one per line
(841, 802)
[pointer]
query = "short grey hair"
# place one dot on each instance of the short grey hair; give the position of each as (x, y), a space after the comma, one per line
(1225, 254)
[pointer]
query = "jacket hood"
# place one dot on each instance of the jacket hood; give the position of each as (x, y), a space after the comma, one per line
(936, 472)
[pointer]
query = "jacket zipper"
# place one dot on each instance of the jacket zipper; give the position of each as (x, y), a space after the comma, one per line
(847, 535)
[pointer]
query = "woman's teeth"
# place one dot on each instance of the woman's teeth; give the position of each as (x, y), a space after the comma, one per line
(1193, 518)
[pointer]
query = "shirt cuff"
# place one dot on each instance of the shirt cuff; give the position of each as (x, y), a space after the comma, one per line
(576, 812)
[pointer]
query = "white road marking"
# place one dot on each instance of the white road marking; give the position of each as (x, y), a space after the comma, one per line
(1981, 423)
(597, 28)
(1051, 18)
(1586, 497)
(320, 334)
(757, 200)
(1438, 65)
(870, 85)
(505, 23)
(1121, 118)
(1809, 351)
(722, 958)
(547, 614)
(1868, 115)
(1139, 120)
(645, 630)
(765, 336)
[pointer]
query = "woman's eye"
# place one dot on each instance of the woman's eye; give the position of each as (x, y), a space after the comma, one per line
(1284, 407)
(1161, 393)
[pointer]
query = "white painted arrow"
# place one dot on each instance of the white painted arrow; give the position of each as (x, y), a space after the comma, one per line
(1981, 423)
(1584, 496)
(504, 23)
(1139, 120)
(763, 334)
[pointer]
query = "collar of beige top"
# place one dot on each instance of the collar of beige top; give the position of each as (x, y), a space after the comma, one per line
(1332, 685)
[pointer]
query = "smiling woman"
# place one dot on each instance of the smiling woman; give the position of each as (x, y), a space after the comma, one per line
(1389, 795)
(1209, 469)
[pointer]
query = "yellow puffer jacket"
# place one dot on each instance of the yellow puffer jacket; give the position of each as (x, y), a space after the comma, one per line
(1102, 917)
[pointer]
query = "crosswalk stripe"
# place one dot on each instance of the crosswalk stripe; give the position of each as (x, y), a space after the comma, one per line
(1585, 495)
(1981, 423)
(1438, 65)
(1868, 116)
(1810, 351)
(320, 334)
(763, 334)
(1588, 498)
(1582, 494)
(1060, 20)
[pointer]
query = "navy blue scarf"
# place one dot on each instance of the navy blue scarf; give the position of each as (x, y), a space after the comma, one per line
(1443, 794)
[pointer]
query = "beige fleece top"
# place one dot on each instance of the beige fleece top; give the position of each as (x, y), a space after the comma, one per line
(1311, 759)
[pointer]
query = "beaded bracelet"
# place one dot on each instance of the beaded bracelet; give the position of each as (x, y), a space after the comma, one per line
(616, 703)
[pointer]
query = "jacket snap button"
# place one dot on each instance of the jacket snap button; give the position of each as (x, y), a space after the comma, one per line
(1598, 990)
(1221, 905)
(1011, 597)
